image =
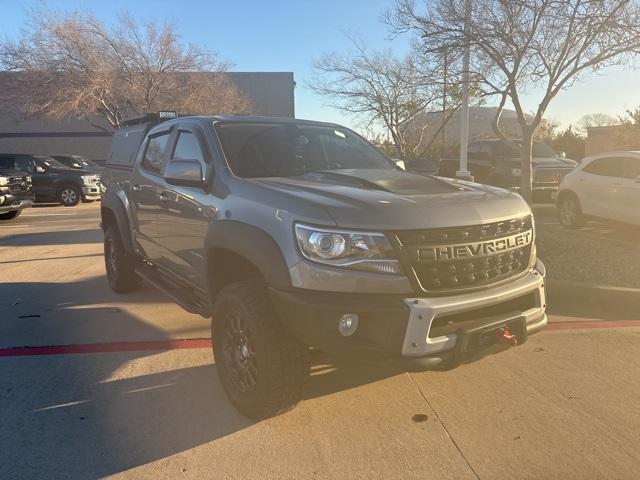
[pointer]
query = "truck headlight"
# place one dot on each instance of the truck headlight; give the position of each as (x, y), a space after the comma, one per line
(365, 251)
(4, 181)
(516, 172)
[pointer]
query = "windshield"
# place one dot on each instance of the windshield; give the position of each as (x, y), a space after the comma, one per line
(275, 150)
(540, 150)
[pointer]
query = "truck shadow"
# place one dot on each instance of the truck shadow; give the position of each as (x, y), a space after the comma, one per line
(75, 237)
(94, 415)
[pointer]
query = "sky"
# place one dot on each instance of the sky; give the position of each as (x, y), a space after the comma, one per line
(287, 35)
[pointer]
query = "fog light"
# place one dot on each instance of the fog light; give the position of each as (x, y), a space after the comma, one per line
(348, 324)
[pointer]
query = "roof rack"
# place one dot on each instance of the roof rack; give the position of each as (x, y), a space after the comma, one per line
(155, 117)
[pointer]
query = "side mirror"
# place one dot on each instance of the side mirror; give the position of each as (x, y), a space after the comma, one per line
(399, 163)
(184, 172)
(39, 169)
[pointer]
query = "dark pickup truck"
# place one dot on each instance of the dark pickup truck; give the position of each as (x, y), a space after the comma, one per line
(16, 193)
(496, 162)
(291, 233)
(53, 181)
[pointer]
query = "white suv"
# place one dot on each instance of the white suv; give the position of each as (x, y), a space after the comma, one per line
(605, 186)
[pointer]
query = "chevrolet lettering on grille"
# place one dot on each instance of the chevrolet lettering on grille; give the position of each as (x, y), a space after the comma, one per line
(486, 248)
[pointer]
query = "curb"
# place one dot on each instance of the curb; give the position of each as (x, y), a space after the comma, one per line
(616, 300)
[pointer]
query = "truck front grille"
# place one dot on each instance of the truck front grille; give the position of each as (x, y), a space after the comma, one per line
(461, 258)
(549, 175)
(19, 184)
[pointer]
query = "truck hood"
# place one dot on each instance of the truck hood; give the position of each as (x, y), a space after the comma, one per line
(396, 200)
(545, 162)
(68, 170)
(12, 172)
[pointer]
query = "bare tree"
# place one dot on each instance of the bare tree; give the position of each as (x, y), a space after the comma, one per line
(380, 89)
(73, 65)
(519, 44)
(595, 120)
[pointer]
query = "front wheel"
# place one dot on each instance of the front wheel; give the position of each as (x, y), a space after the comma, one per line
(69, 195)
(10, 215)
(261, 367)
(569, 212)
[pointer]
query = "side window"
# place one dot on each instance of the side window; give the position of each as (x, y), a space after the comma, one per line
(153, 155)
(631, 167)
(607, 167)
(473, 151)
(485, 151)
(25, 164)
(188, 148)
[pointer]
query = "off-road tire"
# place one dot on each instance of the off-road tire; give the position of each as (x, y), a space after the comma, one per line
(69, 195)
(570, 211)
(10, 215)
(280, 362)
(120, 266)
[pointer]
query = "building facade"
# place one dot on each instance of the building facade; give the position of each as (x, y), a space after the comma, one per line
(612, 138)
(271, 93)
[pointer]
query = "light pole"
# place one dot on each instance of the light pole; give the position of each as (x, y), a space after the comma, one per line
(463, 172)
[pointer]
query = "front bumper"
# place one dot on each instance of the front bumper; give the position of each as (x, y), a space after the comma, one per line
(11, 203)
(92, 192)
(422, 333)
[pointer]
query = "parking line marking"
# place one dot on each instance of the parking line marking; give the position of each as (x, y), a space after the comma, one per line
(592, 324)
(176, 344)
(194, 343)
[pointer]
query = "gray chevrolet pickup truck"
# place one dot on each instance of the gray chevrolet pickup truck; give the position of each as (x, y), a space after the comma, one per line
(294, 234)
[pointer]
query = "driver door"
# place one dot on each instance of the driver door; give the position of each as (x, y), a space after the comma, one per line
(41, 177)
(185, 212)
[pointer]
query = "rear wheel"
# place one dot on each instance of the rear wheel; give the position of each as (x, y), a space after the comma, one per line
(570, 212)
(262, 368)
(120, 266)
(69, 195)
(10, 215)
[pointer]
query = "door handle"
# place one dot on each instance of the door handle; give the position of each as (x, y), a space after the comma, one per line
(136, 188)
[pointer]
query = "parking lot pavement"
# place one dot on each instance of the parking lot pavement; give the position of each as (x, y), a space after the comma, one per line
(564, 405)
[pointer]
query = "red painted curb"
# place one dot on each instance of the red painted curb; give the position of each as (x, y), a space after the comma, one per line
(106, 347)
(190, 343)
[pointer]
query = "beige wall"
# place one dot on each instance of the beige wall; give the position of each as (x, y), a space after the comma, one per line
(612, 138)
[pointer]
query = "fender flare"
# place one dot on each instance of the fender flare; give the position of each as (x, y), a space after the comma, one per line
(252, 243)
(113, 203)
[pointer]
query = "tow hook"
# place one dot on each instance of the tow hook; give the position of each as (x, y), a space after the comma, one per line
(505, 336)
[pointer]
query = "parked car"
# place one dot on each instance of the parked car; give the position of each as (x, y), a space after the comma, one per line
(604, 186)
(496, 162)
(16, 191)
(292, 233)
(78, 162)
(54, 182)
